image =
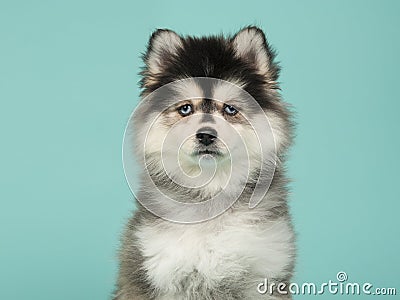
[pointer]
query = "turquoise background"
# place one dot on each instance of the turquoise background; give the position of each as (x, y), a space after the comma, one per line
(69, 83)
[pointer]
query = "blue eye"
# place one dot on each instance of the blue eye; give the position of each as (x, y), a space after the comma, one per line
(185, 110)
(230, 110)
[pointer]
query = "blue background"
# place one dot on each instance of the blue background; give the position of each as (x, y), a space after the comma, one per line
(69, 83)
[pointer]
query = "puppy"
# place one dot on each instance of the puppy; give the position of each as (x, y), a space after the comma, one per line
(211, 135)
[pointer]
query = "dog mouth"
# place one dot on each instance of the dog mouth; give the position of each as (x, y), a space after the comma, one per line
(208, 152)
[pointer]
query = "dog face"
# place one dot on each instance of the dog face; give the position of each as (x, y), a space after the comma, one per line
(207, 103)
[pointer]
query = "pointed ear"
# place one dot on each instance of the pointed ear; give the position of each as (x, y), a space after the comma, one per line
(163, 45)
(251, 45)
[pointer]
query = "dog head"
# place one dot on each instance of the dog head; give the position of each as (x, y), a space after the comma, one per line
(211, 110)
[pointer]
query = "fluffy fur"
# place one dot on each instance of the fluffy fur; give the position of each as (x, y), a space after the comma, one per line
(227, 256)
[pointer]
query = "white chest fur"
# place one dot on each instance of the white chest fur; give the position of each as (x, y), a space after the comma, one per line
(217, 249)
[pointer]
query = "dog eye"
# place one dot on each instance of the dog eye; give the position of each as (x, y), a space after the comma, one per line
(185, 110)
(230, 110)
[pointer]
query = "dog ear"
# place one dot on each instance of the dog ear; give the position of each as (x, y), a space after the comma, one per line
(251, 45)
(163, 45)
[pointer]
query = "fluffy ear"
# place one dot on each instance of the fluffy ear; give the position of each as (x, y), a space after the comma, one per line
(163, 45)
(251, 45)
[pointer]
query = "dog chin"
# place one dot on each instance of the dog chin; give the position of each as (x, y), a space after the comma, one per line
(207, 155)
(192, 163)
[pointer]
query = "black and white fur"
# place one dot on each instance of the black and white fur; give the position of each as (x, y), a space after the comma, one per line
(228, 256)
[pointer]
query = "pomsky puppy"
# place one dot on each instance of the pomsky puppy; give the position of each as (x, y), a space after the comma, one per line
(204, 141)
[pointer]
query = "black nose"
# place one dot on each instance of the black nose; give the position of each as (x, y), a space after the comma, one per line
(206, 135)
